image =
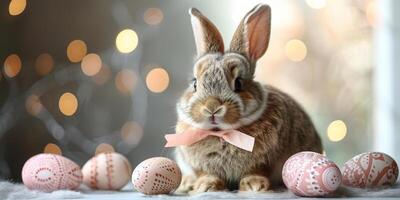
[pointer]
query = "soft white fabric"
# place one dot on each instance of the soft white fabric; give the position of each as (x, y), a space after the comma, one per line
(10, 191)
(18, 191)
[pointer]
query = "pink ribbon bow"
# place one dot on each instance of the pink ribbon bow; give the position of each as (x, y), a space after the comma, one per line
(192, 136)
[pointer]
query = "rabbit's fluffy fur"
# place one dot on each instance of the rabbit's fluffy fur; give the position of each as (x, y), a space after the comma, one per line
(224, 95)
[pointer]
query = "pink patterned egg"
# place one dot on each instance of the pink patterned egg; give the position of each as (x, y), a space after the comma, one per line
(50, 172)
(370, 170)
(311, 174)
(156, 175)
(107, 171)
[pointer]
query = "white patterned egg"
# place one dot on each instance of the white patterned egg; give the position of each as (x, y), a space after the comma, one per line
(370, 169)
(107, 171)
(156, 175)
(311, 174)
(50, 172)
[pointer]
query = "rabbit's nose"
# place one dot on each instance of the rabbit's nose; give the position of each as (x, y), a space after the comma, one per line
(213, 108)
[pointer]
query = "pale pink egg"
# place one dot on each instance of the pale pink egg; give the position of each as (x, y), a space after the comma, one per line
(311, 174)
(370, 169)
(156, 176)
(107, 171)
(50, 172)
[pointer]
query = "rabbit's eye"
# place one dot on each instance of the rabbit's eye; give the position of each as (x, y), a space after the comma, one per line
(195, 85)
(238, 84)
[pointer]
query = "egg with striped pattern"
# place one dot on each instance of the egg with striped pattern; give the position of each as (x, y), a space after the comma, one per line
(107, 171)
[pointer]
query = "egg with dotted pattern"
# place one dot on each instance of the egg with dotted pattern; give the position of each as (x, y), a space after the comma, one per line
(50, 172)
(156, 175)
(311, 174)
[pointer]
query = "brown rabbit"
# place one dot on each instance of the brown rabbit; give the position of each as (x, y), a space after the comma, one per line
(224, 95)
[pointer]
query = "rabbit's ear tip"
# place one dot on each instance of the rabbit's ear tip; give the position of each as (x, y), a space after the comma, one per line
(193, 11)
(262, 6)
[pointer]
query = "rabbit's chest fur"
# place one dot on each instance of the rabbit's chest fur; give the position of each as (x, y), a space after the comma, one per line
(220, 158)
(282, 130)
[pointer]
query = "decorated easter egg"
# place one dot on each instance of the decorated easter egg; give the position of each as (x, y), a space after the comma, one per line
(370, 170)
(50, 172)
(107, 171)
(311, 174)
(156, 176)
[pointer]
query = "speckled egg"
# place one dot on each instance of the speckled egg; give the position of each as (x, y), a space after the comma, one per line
(50, 172)
(311, 174)
(157, 175)
(107, 171)
(370, 169)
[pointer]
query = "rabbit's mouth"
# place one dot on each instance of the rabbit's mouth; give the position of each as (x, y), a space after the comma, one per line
(215, 129)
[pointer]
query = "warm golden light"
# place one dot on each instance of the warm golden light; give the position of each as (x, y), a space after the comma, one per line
(52, 148)
(16, 7)
(157, 80)
(44, 64)
(316, 4)
(296, 50)
(127, 41)
(153, 16)
(76, 50)
(131, 133)
(33, 105)
(336, 131)
(371, 13)
(68, 104)
(103, 76)
(12, 65)
(125, 81)
(91, 64)
(104, 148)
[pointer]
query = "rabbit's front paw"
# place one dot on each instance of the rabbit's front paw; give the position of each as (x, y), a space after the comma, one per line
(207, 183)
(255, 183)
(186, 184)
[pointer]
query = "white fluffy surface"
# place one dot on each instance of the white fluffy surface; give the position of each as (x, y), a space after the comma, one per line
(10, 191)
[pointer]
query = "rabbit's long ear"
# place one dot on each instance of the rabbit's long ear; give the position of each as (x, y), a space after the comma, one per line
(251, 38)
(207, 37)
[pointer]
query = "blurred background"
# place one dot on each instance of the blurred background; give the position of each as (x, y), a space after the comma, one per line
(82, 77)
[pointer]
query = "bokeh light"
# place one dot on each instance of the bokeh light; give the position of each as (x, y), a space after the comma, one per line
(157, 80)
(131, 133)
(125, 81)
(33, 105)
(68, 104)
(104, 148)
(91, 64)
(127, 41)
(153, 16)
(336, 131)
(103, 76)
(295, 50)
(371, 13)
(316, 4)
(52, 148)
(12, 65)
(76, 50)
(44, 64)
(16, 7)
